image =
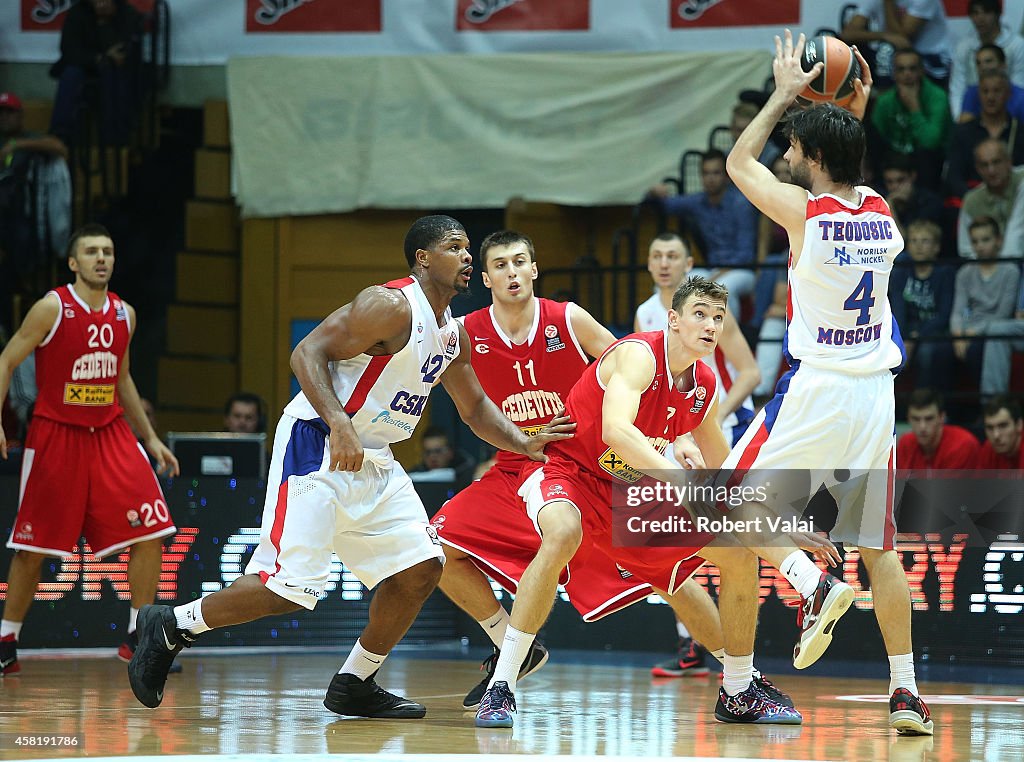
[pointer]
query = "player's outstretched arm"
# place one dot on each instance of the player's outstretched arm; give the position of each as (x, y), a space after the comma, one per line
(593, 337)
(737, 351)
(484, 417)
(128, 395)
(379, 321)
(626, 371)
(714, 448)
(33, 330)
(784, 203)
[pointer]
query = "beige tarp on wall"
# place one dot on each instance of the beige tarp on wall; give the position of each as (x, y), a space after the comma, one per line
(317, 135)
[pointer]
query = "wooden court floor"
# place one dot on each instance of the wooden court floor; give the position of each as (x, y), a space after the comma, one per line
(250, 707)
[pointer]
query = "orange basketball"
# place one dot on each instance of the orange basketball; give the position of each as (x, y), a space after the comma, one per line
(835, 83)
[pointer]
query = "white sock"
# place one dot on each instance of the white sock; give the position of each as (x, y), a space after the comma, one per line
(719, 654)
(738, 672)
(801, 573)
(495, 625)
(133, 618)
(901, 673)
(190, 617)
(7, 627)
(514, 650)
(681, 629)
(362, 663)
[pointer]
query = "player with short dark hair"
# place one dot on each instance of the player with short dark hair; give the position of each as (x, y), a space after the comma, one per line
(84, 472)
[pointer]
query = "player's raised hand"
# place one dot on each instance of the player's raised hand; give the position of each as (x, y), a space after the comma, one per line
(346, 449)
(861, 87)
(790, 77)
(558, 428)
(166, 463)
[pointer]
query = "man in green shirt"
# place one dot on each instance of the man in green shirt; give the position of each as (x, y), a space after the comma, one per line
(913, 116)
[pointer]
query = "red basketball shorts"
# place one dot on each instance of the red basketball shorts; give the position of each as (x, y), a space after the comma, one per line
(664, 568)
(98, 483)
(488, 521)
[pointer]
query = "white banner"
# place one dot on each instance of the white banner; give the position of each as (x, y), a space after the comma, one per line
(212, 31)
(318, 135)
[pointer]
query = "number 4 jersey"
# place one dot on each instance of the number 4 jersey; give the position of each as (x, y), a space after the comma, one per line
(529, 382)
(838, 315)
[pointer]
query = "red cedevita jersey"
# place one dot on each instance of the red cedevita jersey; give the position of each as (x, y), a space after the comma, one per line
(529, 382)
(77, 364)
(664, 413)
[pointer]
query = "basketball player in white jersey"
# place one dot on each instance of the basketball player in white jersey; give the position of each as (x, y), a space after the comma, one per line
(366, 372)
(669, 261)
(834, 410)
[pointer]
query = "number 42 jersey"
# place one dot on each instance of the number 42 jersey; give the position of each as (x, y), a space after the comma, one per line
(837, 312)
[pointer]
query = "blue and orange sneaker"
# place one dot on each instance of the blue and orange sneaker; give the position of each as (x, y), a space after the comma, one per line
(909, 715)
(754, 706)
(817, 617)
(497, 707)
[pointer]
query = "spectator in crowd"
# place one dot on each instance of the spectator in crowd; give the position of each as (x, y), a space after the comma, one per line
(922, 299)
(1003, 426)
(931, 443)
(908, 200)
(998, 196)
(987, 29)
(726, 224)
(439, 453)
(984, 292)
(99, 42)
(994, 122)
(33, 175)
(996, 358)
(244, 413)
(879, 26)
(990, 58)
(912, 118)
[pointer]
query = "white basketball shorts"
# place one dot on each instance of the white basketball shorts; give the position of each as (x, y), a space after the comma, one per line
(372, 519)
(841, 428)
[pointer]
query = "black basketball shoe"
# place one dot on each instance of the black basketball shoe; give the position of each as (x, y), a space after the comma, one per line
(349, 695)
(159, 642)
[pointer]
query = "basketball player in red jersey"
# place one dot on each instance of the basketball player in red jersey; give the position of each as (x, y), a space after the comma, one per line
(835, 409)
(84, 472)
(645, 392)
(528, 353)
(366, 373)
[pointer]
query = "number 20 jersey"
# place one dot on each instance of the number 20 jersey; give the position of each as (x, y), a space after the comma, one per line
(837, 311)
(528, 382)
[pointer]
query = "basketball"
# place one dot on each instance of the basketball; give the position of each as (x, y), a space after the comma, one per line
(835, 83)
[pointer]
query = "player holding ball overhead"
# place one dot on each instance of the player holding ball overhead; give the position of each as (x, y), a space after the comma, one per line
(835, 409)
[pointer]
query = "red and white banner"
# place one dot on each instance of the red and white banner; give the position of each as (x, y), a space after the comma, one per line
(522, 15)
(312, 16)
(685, 14)
(48, 15)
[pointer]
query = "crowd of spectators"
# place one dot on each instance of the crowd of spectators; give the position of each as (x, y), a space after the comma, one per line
(946, 149)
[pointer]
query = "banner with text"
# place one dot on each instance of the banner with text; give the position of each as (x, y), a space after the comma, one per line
(204, 32)
(320, 135)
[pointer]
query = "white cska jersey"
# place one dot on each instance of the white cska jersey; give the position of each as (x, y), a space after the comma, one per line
(837, 312)
(385, 395)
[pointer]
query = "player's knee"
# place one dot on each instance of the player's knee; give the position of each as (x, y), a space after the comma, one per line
(561, 538)
(417, 582)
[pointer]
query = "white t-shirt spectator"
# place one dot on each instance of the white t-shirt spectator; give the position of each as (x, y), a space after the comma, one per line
(932, 42)
(965, 73)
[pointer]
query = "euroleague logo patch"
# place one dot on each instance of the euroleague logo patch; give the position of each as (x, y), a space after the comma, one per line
(133, 518)
(552, 339)
(432, 534)
(700, 394)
